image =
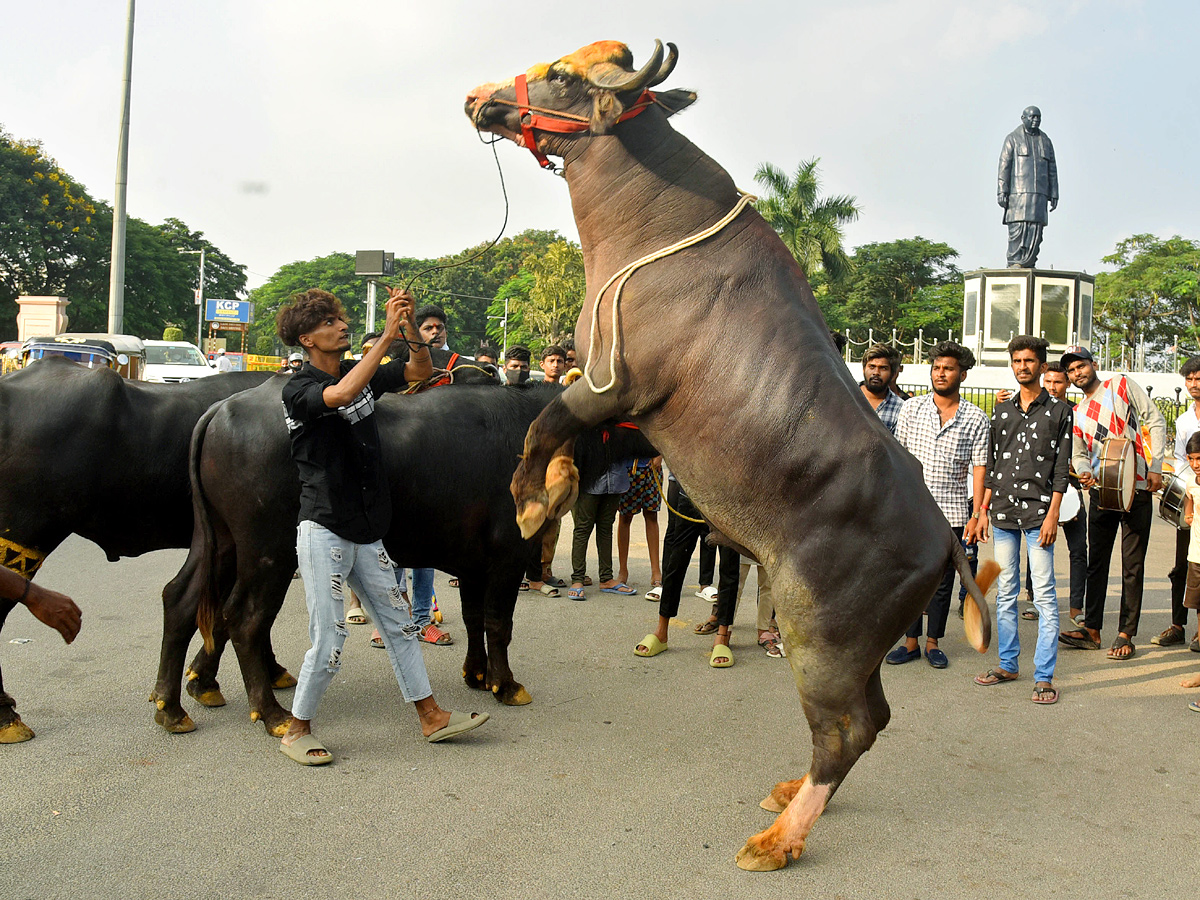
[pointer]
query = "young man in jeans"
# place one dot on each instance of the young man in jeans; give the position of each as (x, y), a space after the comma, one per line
(345, 507)
(1031, 455)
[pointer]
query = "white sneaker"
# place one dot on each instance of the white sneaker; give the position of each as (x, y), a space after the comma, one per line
(708, 593)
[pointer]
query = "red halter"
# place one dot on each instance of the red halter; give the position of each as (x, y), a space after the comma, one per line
(559, 122)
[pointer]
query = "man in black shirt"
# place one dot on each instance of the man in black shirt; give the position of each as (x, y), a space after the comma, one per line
(345, 507)
(1031, 452)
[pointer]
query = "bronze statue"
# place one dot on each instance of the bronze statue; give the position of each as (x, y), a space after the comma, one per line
(1027, 182)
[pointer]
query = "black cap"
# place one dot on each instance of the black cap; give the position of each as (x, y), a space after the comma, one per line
(1076, 352)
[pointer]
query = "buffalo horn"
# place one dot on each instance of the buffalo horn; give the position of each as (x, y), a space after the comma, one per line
(620, 81)
(667, 67)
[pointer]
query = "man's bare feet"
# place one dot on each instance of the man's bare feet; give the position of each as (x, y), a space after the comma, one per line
(1193, 681)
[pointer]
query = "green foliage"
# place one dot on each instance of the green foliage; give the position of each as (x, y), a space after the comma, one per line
(1154, 295)
(516, 292)
(47, 224)
(172, 333)
(810, 227)
(908, 285)
(556, 296)
(264, 345)
(333, 273)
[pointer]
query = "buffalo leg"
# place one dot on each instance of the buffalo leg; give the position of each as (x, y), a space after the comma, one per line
(546, 481)
(500, 599)
(845, 708)
(180, 599)
(12, 729)
(250, 612)
(472, 592)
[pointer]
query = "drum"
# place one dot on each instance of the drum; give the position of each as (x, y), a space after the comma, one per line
(1170, 505)
(1116, 474)
(1071, 506)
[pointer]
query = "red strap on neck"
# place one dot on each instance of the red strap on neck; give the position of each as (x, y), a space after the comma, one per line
(530, 120)
(453, 360)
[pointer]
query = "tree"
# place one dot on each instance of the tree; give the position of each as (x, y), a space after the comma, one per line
(557, 293)
(810, 227)
(47, 224)
(909, 285)
(1154, 295)
(516, 292)
(333, 273)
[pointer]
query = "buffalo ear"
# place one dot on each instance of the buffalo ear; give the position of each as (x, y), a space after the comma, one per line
(674, 101)
(606, 109)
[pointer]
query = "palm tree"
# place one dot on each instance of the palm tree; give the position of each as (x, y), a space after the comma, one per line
(811, 227)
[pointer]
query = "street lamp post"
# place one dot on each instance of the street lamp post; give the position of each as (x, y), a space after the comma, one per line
(199, 299)
(504, 323)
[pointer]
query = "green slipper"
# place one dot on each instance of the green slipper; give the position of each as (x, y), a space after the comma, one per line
(652, 644)
(460, 723)
(298, 750)
(719, 651)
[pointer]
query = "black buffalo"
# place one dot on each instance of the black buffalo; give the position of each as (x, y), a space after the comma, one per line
(88, 452)
(466, 441)
(778, 447)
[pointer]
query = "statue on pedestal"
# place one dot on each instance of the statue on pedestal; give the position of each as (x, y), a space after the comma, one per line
(1027, 187)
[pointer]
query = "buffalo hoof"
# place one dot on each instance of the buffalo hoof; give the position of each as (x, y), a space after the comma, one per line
(475, 680)
(284, 680)
(512, 695)
(211, 697)
(15, 732)
(276, 727)
(781, 795)
(759, 856)
(180, 723)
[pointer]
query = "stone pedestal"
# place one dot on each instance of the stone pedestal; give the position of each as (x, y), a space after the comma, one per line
(41, 316)
(999, 304)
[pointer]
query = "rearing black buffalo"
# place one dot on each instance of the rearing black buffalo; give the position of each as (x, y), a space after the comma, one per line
(753, 408)
(88, 452)
(247, 497)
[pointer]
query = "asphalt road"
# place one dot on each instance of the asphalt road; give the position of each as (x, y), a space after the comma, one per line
(626, 777)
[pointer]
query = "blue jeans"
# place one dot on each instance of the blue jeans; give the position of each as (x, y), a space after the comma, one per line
(422, 596)
(327, 562)
(1045, 600)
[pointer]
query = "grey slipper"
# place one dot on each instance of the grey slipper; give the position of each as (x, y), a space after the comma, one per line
(298, 751)
(460, 723)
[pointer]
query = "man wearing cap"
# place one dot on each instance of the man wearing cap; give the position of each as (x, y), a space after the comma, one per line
(1118, 407)
(224, 363)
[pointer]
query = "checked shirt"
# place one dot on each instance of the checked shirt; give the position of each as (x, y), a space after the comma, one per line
(947, 453)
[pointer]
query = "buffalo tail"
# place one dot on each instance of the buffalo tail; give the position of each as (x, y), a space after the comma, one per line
(977, 619)
(203, 536)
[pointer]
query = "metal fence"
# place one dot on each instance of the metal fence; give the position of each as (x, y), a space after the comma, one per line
(985, 399)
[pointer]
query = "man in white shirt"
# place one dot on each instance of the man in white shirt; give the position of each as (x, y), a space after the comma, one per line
(1186, 425)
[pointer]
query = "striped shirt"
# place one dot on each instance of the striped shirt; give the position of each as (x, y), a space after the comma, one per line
(1118, 408)
(947, 453)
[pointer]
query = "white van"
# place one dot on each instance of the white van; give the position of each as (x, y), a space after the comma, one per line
(173, 362)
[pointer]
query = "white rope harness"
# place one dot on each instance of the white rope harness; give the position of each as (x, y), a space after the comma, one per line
(622, 275)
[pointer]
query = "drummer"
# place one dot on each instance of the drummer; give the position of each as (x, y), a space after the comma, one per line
(1186, 425)
(1117, 407)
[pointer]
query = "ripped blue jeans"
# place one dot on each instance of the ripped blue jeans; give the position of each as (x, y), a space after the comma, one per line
(327, 562)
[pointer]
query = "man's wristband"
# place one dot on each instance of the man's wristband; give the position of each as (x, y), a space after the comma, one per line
(25, 593)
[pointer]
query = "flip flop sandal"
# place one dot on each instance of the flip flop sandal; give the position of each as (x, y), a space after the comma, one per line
(719, 652)
(708, 626)
(995, 676)
(773, 647)
(1120, 643)
(586, 580)
(618, 588)
(377, 643)
(1045, 695)
(655, 592)
(555, 582)
(356, 616)
(1030, 614)
(1194, 706)
(524, 586)
(298, 749)
(1079, 640)
(453, 582)
(549, 591)
(652, 644)
(431, 634)
(460, 723)
(576, 594)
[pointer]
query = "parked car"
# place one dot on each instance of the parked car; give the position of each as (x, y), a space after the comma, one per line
(122, 352)
(173, 362)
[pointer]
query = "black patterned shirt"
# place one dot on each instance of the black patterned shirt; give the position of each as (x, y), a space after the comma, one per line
(1031, 452)
(343, 485)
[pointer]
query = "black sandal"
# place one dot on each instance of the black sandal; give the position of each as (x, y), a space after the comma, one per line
(1119, 644)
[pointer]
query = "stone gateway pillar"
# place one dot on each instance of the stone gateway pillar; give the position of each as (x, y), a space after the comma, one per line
(41, 316)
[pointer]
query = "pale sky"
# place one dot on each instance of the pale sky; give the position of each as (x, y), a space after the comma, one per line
(288, 130)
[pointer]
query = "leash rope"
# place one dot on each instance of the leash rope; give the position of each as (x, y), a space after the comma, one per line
(663, 494)
(622, 275)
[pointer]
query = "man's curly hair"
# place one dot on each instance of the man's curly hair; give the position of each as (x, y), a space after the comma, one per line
(304, 312)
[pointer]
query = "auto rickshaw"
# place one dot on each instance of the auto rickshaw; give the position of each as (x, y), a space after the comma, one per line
(122, 352)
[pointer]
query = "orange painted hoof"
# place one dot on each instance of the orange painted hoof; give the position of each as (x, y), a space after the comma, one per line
(15, 732)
